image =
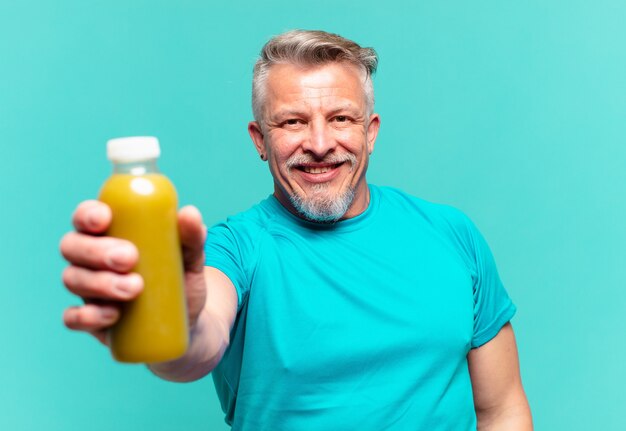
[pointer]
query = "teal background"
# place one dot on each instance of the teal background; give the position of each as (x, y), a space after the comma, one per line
(514, 112)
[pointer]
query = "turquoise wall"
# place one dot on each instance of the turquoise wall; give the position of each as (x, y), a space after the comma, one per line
(514, 112)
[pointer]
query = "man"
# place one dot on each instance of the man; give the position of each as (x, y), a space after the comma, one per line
(332, 304)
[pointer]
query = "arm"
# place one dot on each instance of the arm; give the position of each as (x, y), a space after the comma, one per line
(209, 338)
(499, 397)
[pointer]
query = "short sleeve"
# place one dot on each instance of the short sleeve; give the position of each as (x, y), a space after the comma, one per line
(224, 251)
(492, 306)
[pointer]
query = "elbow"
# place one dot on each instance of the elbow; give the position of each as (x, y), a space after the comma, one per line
(515, 416)
(182, 371)
(204, 354)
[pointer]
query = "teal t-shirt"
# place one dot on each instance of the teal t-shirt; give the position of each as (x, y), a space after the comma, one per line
(362, 324)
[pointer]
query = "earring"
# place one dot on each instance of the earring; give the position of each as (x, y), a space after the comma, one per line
(262, 156)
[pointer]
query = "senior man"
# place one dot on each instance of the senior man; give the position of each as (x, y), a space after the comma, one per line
(333, 304)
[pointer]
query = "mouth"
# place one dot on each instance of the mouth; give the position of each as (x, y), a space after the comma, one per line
(318, 173)
(317, 169)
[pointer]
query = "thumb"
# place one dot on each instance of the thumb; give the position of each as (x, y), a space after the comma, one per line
(192, 236)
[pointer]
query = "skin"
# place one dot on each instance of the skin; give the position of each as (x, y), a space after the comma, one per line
(499, 397)
(99, 265)
(313, 113)
(317, 113)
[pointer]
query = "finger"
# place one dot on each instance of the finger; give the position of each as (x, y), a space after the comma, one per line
(91, 317)
(92, 217)
(99, 252)
(108, 285)
(192, 237)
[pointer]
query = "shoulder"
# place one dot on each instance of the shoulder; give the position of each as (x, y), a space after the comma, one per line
(255, 218)
(440, 215)
(447, 222)
(242, 230)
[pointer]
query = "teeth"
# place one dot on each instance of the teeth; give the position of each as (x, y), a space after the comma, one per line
(312, 170)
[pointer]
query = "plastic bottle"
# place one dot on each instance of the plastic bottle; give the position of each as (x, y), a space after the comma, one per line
(153, 327)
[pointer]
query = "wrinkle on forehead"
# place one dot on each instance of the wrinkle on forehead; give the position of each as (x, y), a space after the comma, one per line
(292, 87)
(316, 97)
(323, 79)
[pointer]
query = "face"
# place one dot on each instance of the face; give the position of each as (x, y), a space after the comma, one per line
(317, 136)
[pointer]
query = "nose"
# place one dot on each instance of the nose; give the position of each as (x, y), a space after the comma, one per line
(319, 140)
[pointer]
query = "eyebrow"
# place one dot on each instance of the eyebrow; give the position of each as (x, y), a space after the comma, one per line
(350, 108)
(347, 108)
(289, 113)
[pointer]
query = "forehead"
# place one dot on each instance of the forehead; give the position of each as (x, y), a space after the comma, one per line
(287, 83)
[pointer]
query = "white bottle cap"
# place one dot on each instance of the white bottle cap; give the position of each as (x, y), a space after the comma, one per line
(133, 149)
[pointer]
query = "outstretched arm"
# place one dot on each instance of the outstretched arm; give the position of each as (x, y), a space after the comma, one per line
(209, 338)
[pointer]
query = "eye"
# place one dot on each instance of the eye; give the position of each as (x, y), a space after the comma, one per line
(293, 123)
(341, 118)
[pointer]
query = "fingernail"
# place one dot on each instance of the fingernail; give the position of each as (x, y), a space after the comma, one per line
(119, 258)
(127, 286)
(108, 313)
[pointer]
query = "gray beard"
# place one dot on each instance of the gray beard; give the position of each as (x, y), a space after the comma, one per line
(321, 207)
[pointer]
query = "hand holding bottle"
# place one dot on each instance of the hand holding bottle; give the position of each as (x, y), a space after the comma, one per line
(100, 268)
(149, 326)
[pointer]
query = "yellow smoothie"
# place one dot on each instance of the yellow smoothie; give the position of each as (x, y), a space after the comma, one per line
(152, 328)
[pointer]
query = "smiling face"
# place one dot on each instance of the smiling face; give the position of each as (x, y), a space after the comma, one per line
(317, 136)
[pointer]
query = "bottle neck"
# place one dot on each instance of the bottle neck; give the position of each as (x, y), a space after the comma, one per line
(140, 167)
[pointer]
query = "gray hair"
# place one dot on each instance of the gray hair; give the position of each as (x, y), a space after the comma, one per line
(311, 48)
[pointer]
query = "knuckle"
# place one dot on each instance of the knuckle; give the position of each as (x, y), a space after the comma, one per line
(91, 216)
(66, 244)
(68, 276)
(102, 284)
(95, 249)
(70, 318)
(84, 318)
(79, 213)
(85, 206)
(79, 319)
(87, 283)
(91, 247)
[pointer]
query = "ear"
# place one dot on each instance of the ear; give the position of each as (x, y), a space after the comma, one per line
(254, 129)
(372, 131)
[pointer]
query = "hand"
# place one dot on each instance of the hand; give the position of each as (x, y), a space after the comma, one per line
(100, 266)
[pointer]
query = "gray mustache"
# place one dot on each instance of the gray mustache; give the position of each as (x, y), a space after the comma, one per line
(333, 159)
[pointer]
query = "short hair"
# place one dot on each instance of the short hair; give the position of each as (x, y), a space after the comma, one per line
(311, 48)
